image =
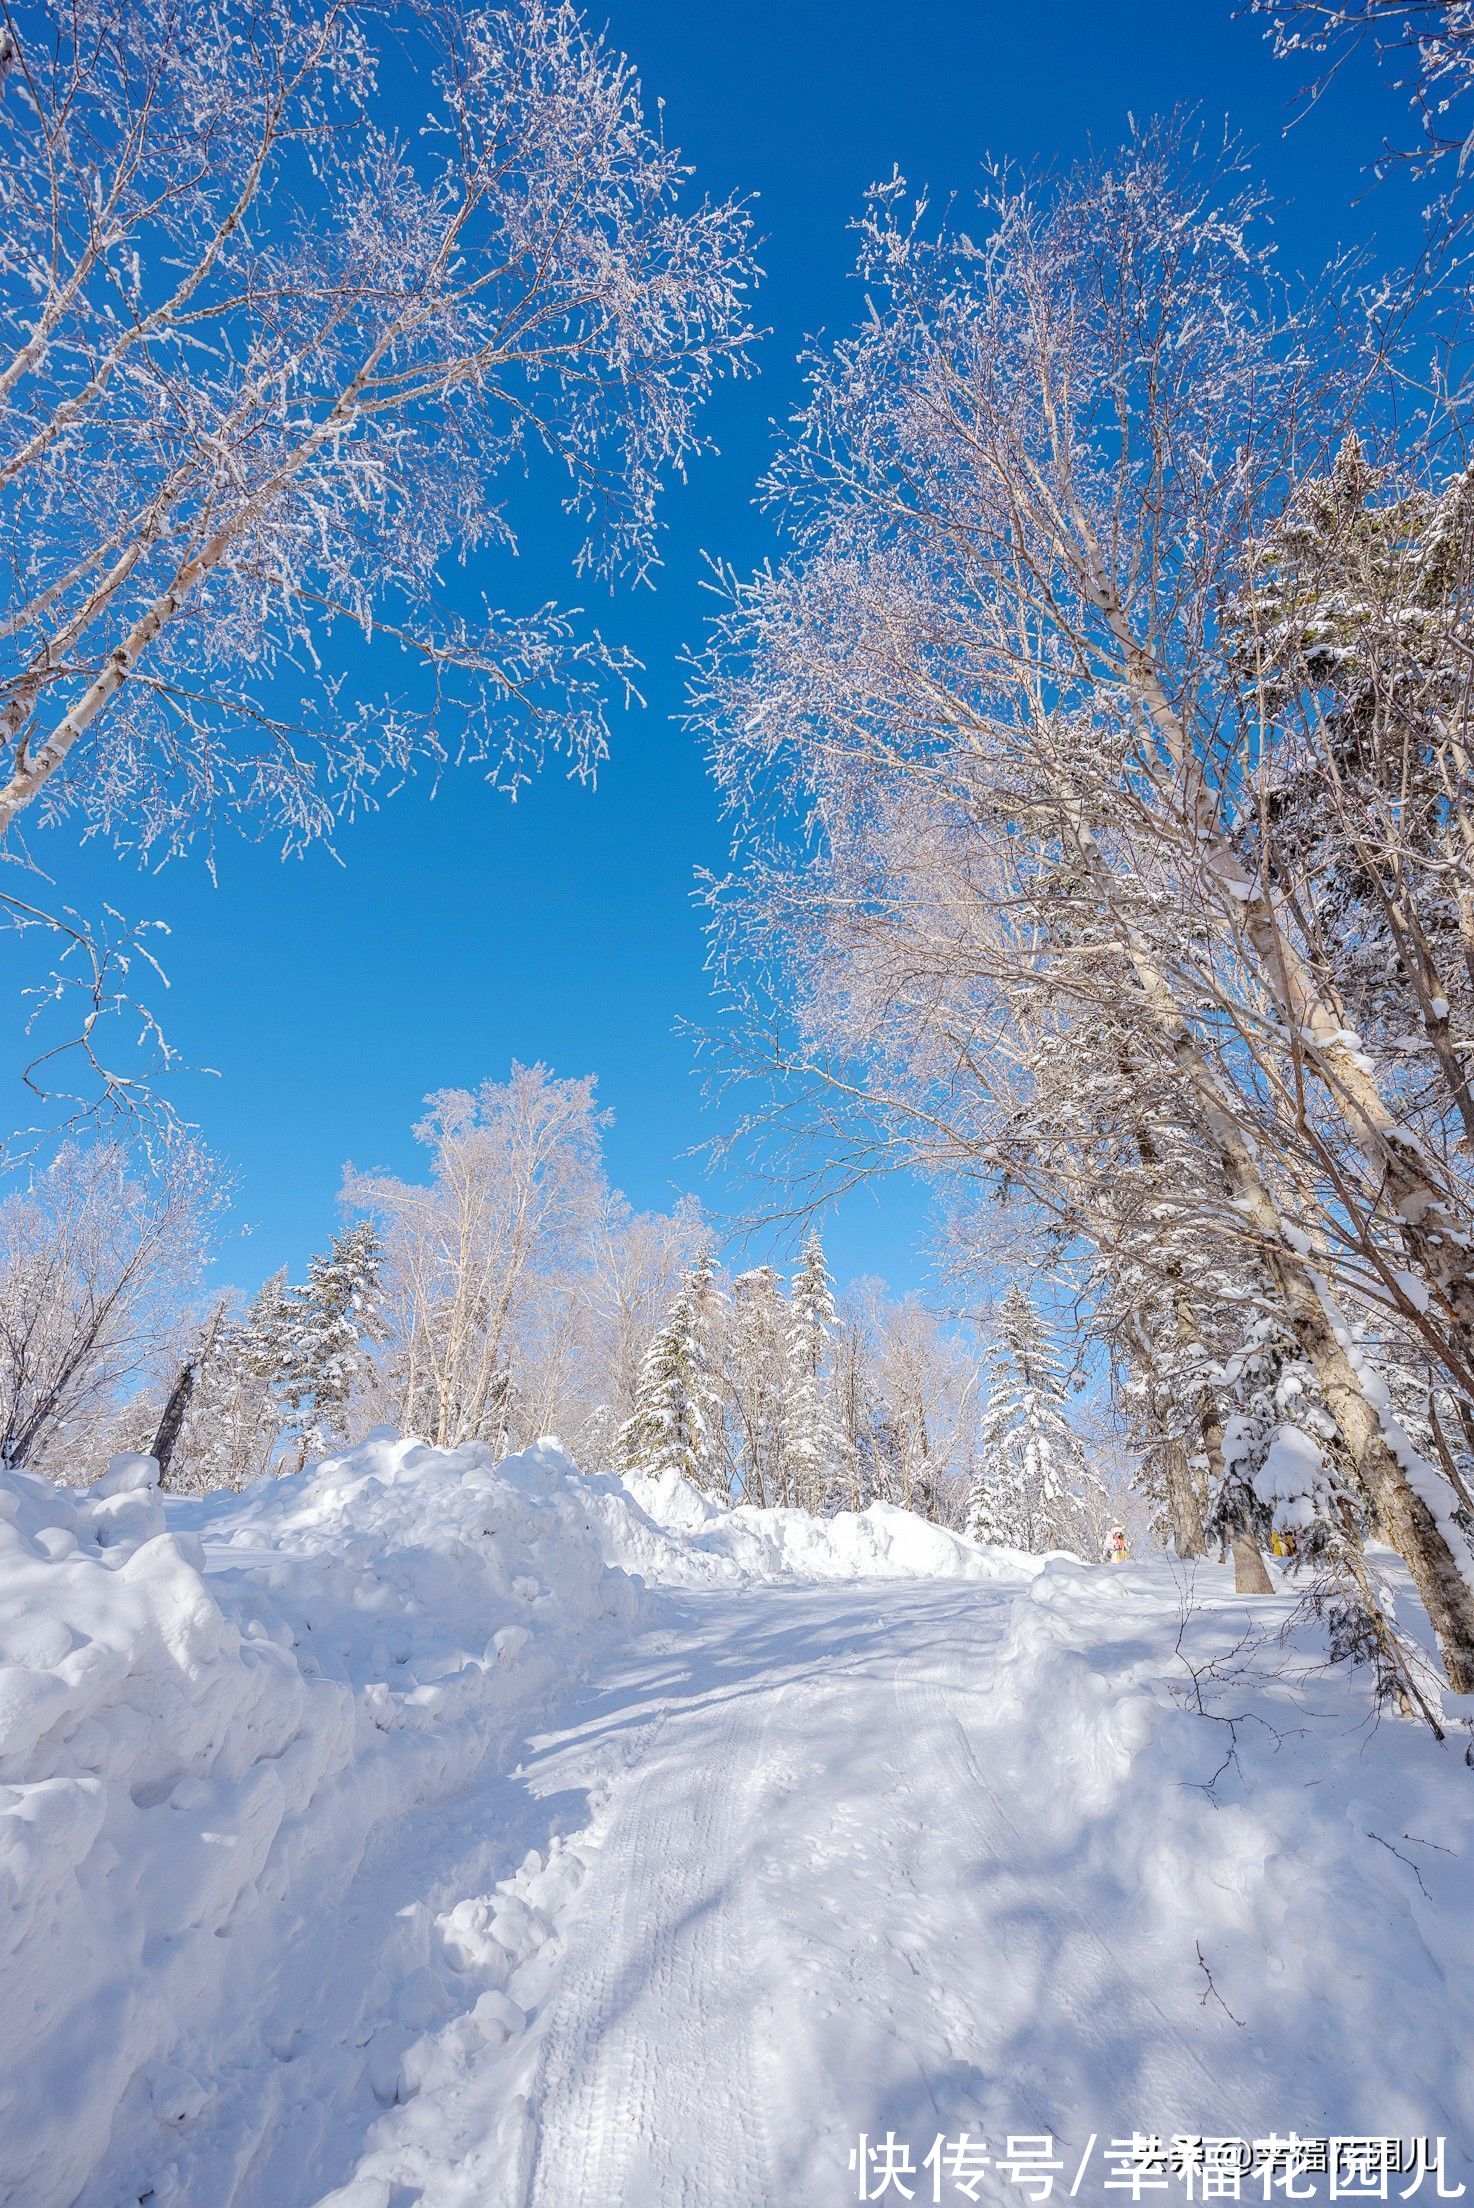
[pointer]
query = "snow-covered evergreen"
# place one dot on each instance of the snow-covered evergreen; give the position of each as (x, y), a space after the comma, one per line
(331, 1325)
(676, 1425)
(811, 1454)
(1282, 1469)
(1033, 1487)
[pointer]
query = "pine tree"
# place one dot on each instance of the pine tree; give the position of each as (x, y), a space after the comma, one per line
(1283, 1469)
(332, 1323)
(810, 1463)
(1036, 1477)
(991, 1512)
(676, 1422)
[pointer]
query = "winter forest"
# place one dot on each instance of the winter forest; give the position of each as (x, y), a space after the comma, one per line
(737, 1221)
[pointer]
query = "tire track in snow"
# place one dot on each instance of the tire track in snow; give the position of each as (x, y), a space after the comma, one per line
(646, 2091)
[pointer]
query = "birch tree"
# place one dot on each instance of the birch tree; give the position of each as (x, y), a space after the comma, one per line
(95, 1260)
(515, 1187)
(1426, 47)
(1019, 501)
(288, 295)
(638, 1260)
(755, 1377)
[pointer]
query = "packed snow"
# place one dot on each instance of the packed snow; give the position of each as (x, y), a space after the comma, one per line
(422, 1829)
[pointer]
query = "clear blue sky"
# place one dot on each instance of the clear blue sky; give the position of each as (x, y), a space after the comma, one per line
(463, 932)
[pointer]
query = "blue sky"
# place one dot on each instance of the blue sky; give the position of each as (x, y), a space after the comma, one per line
(461, 931)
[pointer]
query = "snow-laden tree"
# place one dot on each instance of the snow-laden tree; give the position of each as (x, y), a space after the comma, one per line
(756, 1379)
(520, 1290)
(1353, 630)
(97, 1253)
(991, 1509)
(870, 1452)
(1285, 1473)
(291, 296)
(235, 1425)
(253, 1376)
(1436, 1421)
(925, 1387)
(811, 1454)
(581, 1364)
(333, 1322)
(1034, 1462)
(164, 1441)
(676, 1424)
(1427, 46)
(1279, 1449)
(515, 1190)
(995, 754)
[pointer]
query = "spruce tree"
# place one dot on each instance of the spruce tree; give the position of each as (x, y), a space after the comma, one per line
(991, 1512)
(1283, 1471)
(676, 1422)
(1035, 1469)
(810, 1458)
(331, 1325)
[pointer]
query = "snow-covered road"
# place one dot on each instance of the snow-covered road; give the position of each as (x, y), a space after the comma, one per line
(761, 1966)
(832, 1892)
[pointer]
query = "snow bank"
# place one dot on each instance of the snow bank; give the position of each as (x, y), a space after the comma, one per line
(718, 1544)
(202, 1727)
(1201, 1781)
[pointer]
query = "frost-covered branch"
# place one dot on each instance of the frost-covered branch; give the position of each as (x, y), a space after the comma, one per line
(272, 351)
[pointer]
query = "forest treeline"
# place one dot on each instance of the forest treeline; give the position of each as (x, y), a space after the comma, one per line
(510, 1294)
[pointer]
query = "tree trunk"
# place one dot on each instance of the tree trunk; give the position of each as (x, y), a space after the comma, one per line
(171, 1425)
(1436, 1238)
(1409, 1523)
(1250, 1572)
(1183, 1507)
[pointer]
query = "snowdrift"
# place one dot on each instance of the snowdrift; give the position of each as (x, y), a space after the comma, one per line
(715, 1544)
(203, 1726)
(265, 1899)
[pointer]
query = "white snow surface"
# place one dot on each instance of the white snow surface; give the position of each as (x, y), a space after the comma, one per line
(424, 1830)
(880, 1542)
(204, 1730)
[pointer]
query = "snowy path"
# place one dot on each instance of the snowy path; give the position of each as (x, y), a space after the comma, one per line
(816, 1908)
(804, 1861)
